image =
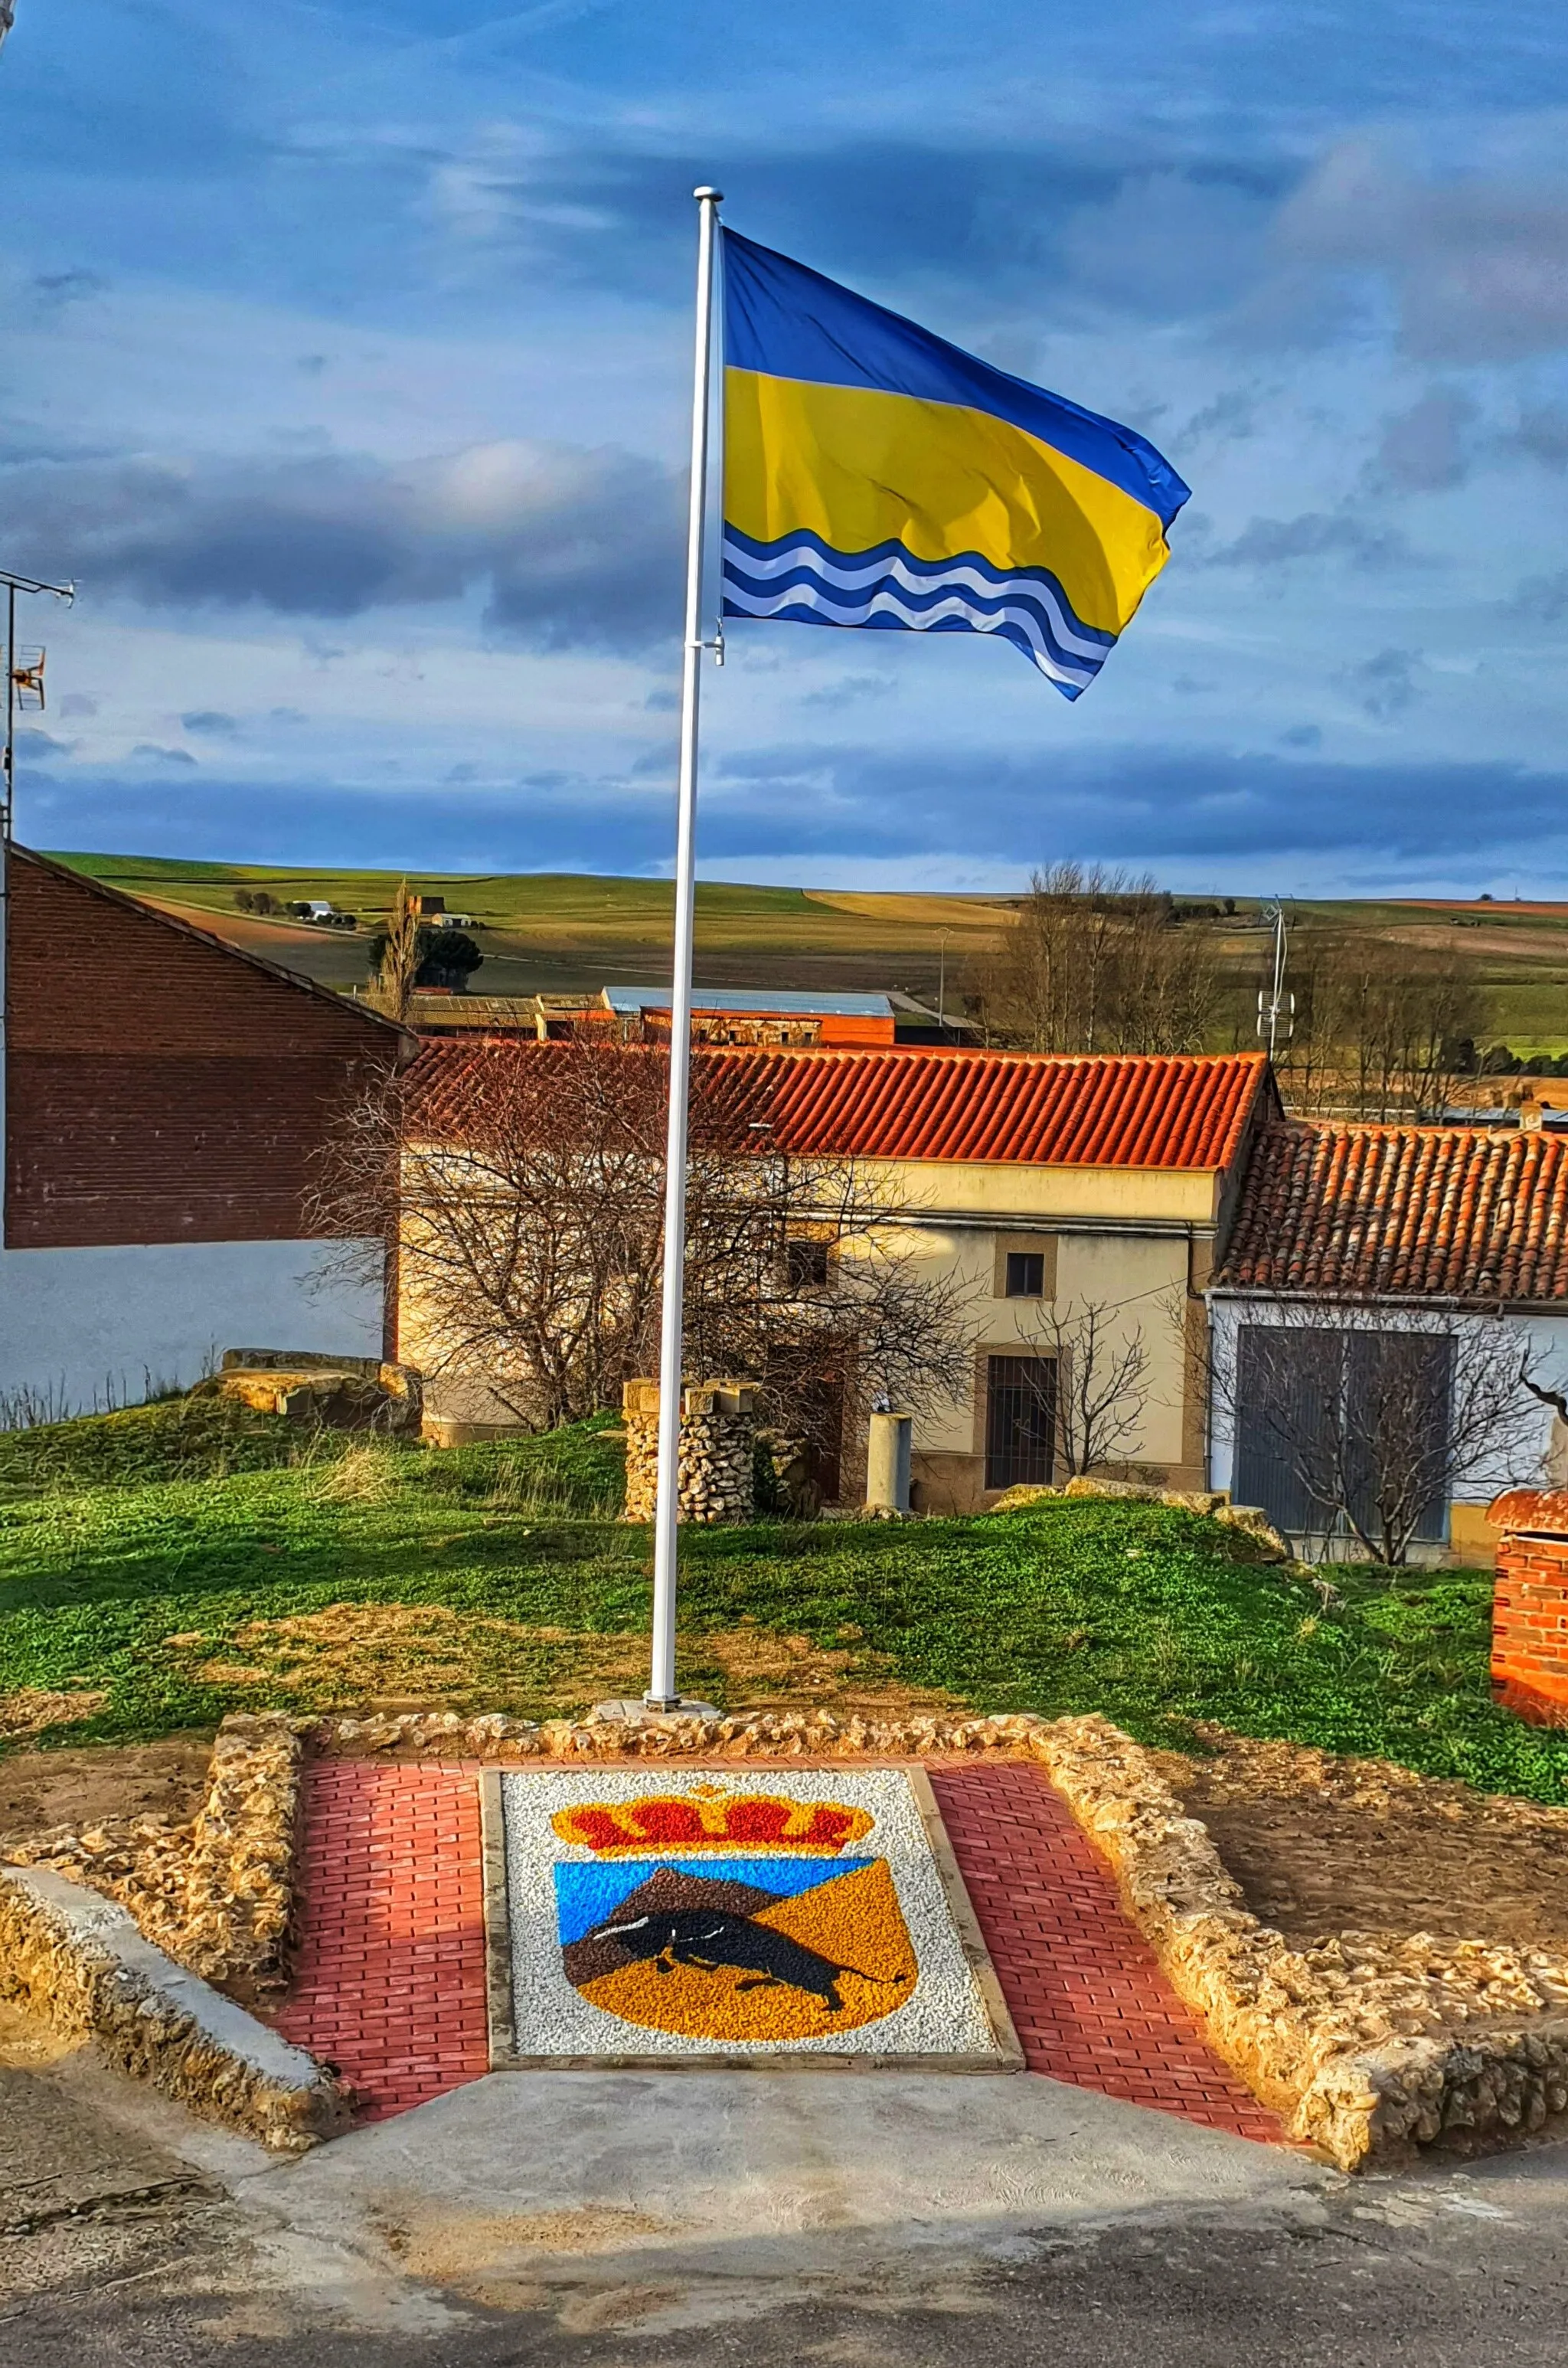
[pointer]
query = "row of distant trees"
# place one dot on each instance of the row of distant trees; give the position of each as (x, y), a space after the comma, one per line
(1099, 962)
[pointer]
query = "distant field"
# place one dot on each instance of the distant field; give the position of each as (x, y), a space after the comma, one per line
(563, 930)
(560, 931)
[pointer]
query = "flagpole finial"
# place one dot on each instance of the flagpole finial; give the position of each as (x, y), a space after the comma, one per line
(705, 192)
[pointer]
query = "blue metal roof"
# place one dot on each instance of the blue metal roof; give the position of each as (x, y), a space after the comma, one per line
(738, 999)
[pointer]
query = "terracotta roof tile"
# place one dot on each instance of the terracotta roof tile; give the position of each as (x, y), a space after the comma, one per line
(1447, 1212)
(926, 1102)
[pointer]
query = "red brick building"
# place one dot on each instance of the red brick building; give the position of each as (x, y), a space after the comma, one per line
(166, 1099)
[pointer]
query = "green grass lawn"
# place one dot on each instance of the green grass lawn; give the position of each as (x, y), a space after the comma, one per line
(498, 1578)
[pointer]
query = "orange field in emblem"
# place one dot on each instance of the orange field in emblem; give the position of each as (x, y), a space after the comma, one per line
(858, 1965)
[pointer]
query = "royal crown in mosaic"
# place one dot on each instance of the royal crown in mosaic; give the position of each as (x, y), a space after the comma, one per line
(708, 1819)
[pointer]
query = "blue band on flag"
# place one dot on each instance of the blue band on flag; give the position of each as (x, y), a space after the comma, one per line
(784, 319)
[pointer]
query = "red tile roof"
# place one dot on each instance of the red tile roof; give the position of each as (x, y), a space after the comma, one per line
(1477, 1213)
(926, 1102)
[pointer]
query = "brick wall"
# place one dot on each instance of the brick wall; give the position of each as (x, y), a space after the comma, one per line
(1530, 1619)
(159, 1087)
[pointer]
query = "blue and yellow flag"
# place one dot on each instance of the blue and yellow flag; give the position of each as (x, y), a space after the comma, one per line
(876, 475)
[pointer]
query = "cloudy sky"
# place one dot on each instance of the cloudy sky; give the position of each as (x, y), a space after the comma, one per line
(346, 368)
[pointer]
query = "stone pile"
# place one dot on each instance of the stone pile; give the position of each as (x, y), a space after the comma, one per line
(356, 1393)
(718, 1447)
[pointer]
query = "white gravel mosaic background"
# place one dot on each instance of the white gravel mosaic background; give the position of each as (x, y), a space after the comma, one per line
(944, 2015)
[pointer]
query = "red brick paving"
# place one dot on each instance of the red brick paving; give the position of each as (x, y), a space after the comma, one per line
(1088, 1998)
(389, 1971)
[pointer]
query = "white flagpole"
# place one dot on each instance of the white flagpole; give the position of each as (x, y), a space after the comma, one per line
(662, 1691)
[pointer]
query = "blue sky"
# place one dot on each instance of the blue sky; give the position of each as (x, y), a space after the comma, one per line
(346, 368)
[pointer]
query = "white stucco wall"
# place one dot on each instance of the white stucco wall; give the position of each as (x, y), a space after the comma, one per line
(1138, 1283)
(90, 1324)
(1543, 1338)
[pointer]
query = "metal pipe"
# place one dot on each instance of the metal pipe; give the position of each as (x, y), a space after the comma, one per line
(662, 1692)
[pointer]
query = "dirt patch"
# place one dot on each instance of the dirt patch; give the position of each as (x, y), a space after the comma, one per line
(760, 1670)
(387, 1655)
(31, 1709)
(449, 2248)
(84, 1786)
(1322, 1845)
(417, 1655)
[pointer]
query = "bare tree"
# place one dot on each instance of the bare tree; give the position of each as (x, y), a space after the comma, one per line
(1362, 1424)
(1099, 1379)
(524, 1187)
(392, 989)
(1095, 961)
(1383, 1032)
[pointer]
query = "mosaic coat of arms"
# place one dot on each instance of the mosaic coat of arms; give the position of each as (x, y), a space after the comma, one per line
(703, 1912)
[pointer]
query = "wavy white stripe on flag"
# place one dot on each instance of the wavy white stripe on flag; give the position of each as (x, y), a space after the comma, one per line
(852, 575)
(918, 598)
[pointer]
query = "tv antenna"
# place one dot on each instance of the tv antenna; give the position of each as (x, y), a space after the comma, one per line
(1275, 1008)
(24, 674)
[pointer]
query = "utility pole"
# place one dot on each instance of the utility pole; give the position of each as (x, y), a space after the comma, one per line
(23, 688)
(24, 680)
(1276, 1009)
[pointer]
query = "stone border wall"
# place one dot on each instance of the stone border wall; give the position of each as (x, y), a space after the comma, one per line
(1316, 2035)
(1323, 2037)
(216, 1893)
(1370, 2048)
(79, 1962)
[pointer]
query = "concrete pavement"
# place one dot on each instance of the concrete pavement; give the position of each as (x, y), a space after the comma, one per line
(725, 2193)
(876, 2221)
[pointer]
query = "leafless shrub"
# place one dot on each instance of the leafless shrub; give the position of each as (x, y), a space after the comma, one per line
(1099, 1380)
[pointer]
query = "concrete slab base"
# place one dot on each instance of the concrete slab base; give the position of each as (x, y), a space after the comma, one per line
(727, 2194)
(639, 1712)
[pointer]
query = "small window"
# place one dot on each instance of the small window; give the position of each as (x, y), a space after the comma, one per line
(805, 1265)
(1026, 1274)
